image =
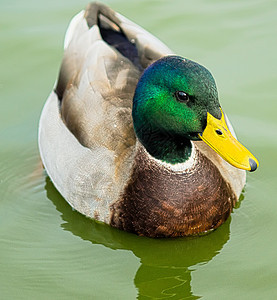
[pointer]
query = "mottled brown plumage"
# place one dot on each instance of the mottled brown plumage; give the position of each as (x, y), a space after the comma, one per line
(159, 202)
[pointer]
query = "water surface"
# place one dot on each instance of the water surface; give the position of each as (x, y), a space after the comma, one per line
(48, 251)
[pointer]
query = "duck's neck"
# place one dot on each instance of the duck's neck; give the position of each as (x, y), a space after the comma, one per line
(165, 146)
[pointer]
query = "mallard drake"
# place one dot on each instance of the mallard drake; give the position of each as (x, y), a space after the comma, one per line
(134, 136)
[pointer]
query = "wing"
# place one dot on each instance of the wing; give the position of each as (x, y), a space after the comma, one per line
(86, 136)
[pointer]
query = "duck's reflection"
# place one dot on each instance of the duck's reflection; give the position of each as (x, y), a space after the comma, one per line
(166, 264)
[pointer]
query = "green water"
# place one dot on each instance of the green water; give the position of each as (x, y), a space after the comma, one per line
(48, 251)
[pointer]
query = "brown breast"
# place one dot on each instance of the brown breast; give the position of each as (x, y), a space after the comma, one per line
(160, 202)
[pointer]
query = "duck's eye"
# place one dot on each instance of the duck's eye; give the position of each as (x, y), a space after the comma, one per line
(182, 96)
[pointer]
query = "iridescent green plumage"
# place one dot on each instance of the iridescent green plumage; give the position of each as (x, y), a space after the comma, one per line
(164, 124)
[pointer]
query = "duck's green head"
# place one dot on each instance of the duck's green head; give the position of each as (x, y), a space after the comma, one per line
(176, 101)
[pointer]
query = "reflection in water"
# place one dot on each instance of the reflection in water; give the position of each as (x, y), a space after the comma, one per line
(165, 270)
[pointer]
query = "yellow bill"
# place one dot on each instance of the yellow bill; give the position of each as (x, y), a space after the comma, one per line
(219, 138)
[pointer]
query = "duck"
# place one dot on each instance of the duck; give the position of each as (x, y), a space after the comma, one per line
(133, 135)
